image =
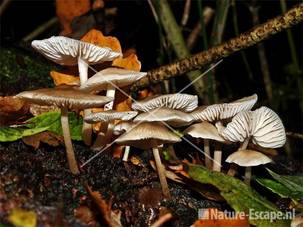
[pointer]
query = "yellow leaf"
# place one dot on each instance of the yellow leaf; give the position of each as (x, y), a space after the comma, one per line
(96, 37)
(23, 218)
(130, 62)
(61, 79)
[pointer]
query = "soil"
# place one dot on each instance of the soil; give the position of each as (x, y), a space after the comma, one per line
(39, 180)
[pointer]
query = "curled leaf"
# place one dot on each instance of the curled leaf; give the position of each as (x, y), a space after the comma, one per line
(64, 79)
(130, 62)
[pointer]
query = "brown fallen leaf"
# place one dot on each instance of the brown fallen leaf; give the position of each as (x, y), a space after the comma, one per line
(98, 4)
(208, 219)
(36, 110)
(12, 109)
(45, 137)
(67, 10)
(64, 79)
(130, 62)
(84, 214)
(96, 37)
(113, 218)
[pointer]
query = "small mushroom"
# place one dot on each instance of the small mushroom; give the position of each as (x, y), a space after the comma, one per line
(183, 102)
(248, 158)
(175, 118)
(206, 131)
(216, 113)
(65, 98)
(262, 126)
(147, 135)
(67, 51)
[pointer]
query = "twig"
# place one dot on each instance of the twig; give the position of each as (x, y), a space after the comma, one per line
(186, 12)
(262, 54)
(4, 5)
(193, 36)
(295, 135)
(252, 37)
(39, 30)
(164, 218)
(152, 8)
(175, 37)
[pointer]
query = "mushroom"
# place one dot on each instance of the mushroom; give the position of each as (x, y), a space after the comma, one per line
(206, 131)
(67, 51)
(248, 158)
(262, 126)
(65, 98)
(147, 135)
(175, 118)
(218, 112)
(183, 102)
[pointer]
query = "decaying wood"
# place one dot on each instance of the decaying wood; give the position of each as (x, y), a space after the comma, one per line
(255, 35)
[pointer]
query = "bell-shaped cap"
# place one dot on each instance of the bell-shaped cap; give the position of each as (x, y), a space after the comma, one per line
(66, 51)
(175, 118)
(183, 102)
(68, 97)
(222, 111)
(248, 158)
(263, 126)
(111, 77)
(204, 130)
(110, 115)
(147, 135)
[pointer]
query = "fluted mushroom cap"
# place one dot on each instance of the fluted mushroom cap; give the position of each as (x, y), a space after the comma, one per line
(183, 102)
(110, 115)
(248, 158)
(64, 97)
(119, 77)
(66, 51)
(224, 110)
(147, 135)
(263, 126)
(175, 118)
(204, 130)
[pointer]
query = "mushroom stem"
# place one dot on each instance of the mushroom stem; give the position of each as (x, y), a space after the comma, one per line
(233, 167)
(217, 158)
(247, 175)
(86, 128)
(126, 153)
(208, 163)
(161, 173)
(68, 142)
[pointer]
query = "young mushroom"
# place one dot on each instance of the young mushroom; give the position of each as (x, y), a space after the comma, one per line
(262, 126)
(65, 98)
(147, 135)
(206, 131)
(67, 51)
(215, 114)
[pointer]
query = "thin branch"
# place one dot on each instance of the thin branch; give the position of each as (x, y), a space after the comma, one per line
(295, 135)
(4, 5)
(164, 218)
(186, 12)
(252, 37)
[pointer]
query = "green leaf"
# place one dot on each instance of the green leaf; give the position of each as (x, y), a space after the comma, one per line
(275, 187)
(238, 195)
(49, 121)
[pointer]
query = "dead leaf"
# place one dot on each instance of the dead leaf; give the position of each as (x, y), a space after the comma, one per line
(123, 103)
(64, 79)
(98, 4)
(11, 109)
(97, 38)
(145, 93)
(130, 62)
(222, 220)
(113, 218)
(45, 137)
(118, 151)
(36, 110)
(23, 218)
(67, 10)
(84, 214)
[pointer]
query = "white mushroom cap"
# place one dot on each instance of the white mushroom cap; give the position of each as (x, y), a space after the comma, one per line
(148, 135)
(122, 127)
(263, 126)
(183, 102)
(224, 110)
(175, 118)
(66, 51)
(119, 77)
(64, 97)
(204, 130)
(110, 115)
(248, 158)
